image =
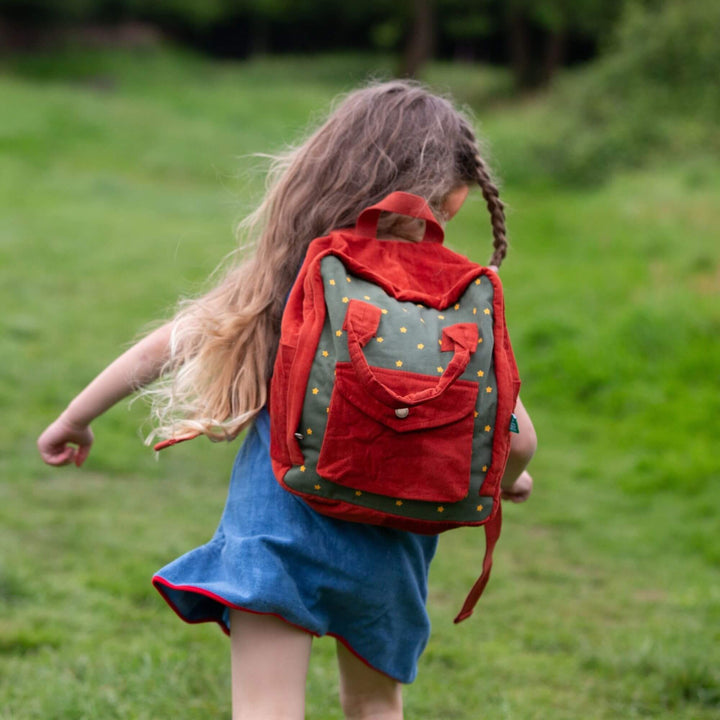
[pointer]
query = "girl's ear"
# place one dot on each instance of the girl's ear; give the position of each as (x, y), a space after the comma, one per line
(454, 201)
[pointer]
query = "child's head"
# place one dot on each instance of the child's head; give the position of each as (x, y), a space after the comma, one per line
(385, 137)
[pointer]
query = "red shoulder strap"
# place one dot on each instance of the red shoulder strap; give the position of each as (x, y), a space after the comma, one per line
(492, 533)
(401, 203)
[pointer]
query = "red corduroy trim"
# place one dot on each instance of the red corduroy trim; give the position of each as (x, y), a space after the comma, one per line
(161, 585)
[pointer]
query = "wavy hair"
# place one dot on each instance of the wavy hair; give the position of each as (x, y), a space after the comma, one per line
(384, 137)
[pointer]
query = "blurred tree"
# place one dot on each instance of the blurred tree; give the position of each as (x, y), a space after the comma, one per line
(419, 43)
(537, 32)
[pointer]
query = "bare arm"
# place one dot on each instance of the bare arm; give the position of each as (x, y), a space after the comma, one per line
(69, 438)
(517, 482)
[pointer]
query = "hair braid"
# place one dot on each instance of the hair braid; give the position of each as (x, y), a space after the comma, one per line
(476, 170)
(497, 211)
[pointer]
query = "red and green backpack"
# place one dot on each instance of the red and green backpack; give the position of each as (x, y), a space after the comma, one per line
(393, 391)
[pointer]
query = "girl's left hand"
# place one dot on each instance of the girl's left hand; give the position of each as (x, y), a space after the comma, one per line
(64, 443)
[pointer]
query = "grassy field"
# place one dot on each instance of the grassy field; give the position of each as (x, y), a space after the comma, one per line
(122, 179)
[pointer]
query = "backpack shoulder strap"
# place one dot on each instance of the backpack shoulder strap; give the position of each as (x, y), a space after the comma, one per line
(492, 533)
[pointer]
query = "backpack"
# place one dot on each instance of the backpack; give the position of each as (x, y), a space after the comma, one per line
(392, 395)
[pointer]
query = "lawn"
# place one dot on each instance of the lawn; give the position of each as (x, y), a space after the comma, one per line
(122, 179)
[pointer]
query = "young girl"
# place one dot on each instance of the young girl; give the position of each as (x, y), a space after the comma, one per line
(276, 573)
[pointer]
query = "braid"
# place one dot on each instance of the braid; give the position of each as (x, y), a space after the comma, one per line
(476, 170)
(497, 212)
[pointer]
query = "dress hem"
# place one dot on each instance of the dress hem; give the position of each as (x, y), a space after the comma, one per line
(162, 586)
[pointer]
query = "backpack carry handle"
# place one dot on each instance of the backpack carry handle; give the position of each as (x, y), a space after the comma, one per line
(401, 203)
(361, 323)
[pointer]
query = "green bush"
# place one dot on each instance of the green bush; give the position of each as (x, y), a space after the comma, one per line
(654, 93)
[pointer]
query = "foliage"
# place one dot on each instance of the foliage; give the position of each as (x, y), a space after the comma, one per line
(117, 197)
(654, 93)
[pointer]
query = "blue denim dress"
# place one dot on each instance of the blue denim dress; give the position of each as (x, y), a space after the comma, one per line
(272, 554)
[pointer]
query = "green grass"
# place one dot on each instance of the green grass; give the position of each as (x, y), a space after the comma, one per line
(122, 179)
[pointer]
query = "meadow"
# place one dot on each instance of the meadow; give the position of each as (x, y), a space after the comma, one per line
(122, 178)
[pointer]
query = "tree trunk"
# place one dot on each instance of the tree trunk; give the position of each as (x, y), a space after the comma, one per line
(419, 45)
(519, 47)
(554, 55)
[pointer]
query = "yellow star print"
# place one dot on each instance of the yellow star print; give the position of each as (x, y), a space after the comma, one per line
(346, 300)
(399, 363)
(488, 428)
(325, 353)
(379, 339)
(420, 346)
(488, 389)
(332, 282)
(480, 373)
(403, 329)
(486, 311)
(315, 391)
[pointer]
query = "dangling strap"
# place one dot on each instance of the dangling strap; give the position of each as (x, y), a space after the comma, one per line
(492, 533)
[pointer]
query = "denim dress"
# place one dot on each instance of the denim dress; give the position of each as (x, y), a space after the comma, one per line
(272, 554)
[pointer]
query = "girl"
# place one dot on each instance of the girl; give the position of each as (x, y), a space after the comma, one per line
(276, 573)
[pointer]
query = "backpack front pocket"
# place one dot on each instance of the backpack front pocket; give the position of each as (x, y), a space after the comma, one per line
(422, 452)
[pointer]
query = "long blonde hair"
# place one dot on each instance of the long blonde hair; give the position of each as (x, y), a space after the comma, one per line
(384, 137)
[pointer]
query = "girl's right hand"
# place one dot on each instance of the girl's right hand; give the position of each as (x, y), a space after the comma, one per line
(63, 443)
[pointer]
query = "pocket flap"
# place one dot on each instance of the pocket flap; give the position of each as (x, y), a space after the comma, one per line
(455, 403)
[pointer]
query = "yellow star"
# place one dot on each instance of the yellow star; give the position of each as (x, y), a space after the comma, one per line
(398, 503)
(479, 508)
(480, 373)
(338, 333)
(317, 487)
(474, 311)
(420, 346)
(477, 282)
(346, 300)
(486, 311)
(379, 339)
(441, 317)
(476, 414)
(484, 468)
(348, 279)
(441, 508)
(358, 493)
(457, 307)
(398, 363)
(384, 312)
(332, 282)
(479, 340)
(439, 368)
(325, 353)
(488, 389)
(302, 468)
(367, 297)
(488, 428)
(315, 391)
(309, 431)
(403, 329)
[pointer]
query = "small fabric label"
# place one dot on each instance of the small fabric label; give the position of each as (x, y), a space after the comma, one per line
(514, 424)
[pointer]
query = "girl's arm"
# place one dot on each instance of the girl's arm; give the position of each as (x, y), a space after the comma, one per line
(69, 438)
(516, 482)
